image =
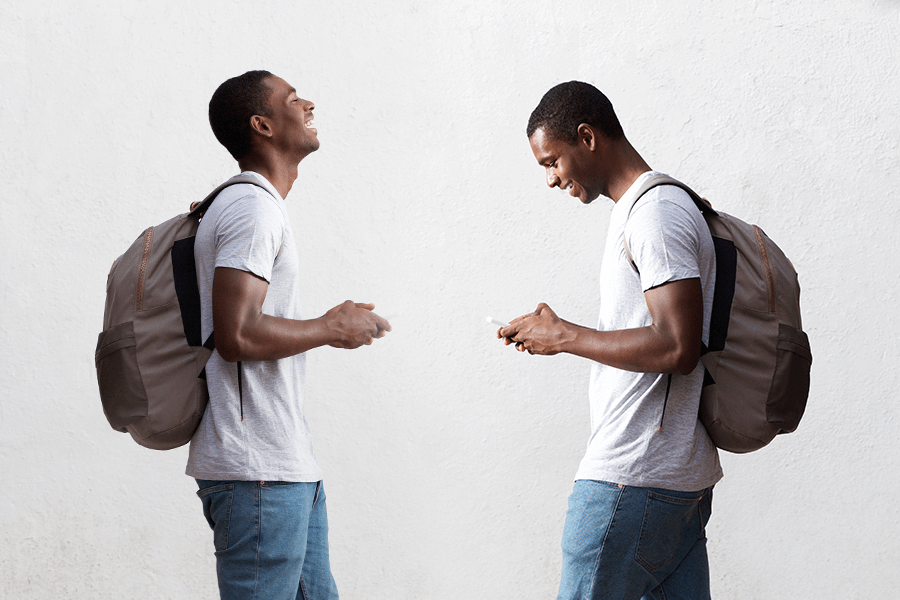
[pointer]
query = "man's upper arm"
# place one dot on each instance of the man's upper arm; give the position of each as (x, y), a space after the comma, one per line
(237, 299)
(676, 308)
(248, 236)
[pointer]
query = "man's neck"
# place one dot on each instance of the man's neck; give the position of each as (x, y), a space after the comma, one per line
(629, 165)
(281, 175)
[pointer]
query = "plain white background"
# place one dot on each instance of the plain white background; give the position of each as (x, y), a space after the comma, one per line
(448, 457)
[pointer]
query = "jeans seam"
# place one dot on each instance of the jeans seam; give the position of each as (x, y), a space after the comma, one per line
(258, 489)
(609, 527)
(701, 521)
(228, 517)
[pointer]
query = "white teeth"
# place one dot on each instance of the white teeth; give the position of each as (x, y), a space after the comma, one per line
(311, 123)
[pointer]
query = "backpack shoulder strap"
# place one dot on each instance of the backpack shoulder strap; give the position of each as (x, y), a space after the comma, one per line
(204, 205)
(655, 181)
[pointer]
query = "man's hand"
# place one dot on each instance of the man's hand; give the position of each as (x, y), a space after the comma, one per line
(354, 324)
(540, 332)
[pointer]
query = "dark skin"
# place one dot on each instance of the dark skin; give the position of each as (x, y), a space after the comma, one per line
(597, 165)
(280, 141)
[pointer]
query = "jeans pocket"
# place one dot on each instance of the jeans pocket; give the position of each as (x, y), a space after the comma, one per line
(667, 519)
(217, 510)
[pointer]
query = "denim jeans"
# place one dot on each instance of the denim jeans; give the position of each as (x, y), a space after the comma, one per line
(629, 543)
(271, 539)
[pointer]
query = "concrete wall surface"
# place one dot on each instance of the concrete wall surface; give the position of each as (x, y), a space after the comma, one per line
(448, 457)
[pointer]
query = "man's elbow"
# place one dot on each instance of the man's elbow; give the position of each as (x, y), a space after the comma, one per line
(684, 361)
(230, 348)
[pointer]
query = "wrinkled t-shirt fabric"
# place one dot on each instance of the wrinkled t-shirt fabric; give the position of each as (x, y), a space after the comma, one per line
(640, 437)
(248, 228)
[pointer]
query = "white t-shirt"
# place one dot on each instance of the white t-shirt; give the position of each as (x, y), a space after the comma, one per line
(639, 436)
(247, 228)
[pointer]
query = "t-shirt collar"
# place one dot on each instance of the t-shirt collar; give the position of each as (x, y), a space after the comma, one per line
(628, 198)
(266, 184)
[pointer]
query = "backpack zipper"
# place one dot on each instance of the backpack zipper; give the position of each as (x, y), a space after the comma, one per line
(145, 256)
(770, 279)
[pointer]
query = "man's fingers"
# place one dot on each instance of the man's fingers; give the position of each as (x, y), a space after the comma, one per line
(514, 326)
(365, 305)
(381, 323)
(519, 319)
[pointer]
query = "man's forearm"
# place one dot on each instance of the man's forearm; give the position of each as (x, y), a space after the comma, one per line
(271, 338)
(643, 350)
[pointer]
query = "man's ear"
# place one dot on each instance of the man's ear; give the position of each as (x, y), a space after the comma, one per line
(260, 125)
(587, 136)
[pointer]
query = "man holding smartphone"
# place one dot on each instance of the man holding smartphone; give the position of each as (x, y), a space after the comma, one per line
(635, 527)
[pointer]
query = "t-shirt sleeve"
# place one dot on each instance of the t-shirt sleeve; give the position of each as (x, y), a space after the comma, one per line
(664, 239)
(249, 235)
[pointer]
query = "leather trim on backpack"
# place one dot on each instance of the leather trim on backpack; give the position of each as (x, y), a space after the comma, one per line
(139, 294)
(764, 256)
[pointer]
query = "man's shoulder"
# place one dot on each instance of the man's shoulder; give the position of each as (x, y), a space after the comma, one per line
(245, 202)
(663, 209)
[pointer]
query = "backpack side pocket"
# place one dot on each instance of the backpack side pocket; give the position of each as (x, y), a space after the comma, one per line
(790, 381)
(121, 386)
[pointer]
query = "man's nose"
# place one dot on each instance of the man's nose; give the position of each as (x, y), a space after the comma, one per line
(552, 179)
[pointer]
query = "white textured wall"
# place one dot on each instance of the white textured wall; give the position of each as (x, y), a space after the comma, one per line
(448, 457)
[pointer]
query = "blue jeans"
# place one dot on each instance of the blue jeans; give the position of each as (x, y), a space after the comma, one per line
(271, 539)
(626, 543)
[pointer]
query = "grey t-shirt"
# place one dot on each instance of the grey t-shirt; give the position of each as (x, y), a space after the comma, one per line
(247, 228)
(638, 437)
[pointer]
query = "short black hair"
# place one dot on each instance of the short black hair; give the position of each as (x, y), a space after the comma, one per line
(231, 107)
(566, 106)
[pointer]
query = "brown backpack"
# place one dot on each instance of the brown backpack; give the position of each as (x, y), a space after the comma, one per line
(150, 357)
(758, 357)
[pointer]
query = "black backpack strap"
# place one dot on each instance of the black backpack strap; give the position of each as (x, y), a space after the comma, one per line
(665, 402)
(240, 389)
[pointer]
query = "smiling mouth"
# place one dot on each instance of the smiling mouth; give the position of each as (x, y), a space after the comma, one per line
(311, 124)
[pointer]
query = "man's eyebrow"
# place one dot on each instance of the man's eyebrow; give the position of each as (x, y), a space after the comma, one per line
(292, 91)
